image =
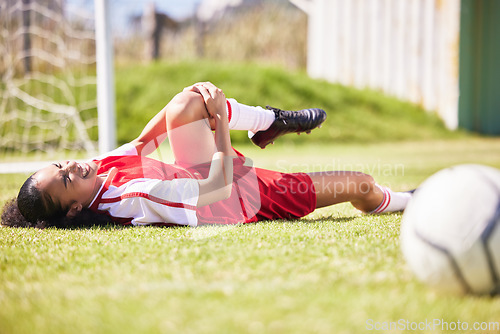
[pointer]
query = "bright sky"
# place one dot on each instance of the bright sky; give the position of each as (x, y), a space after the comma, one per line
(122, 10)
(174, 8)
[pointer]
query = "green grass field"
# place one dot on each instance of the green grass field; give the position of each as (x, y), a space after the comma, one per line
(335, 271)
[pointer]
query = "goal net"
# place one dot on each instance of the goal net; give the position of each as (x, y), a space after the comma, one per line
(48, 100)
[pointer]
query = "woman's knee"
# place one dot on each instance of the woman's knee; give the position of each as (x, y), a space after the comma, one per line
(364, 184)
(184, 108)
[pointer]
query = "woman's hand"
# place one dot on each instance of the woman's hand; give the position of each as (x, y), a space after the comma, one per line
(215, 100)
(215, 103)
(218, 185)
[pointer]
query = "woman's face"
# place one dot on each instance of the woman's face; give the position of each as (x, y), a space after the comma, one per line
(69, 182)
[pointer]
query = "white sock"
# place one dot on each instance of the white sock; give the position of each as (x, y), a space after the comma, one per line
(393, 201)
(243, 117)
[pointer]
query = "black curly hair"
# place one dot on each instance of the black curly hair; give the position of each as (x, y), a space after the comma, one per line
(34, 208)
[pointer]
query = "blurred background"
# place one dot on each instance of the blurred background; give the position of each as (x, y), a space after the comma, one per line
(48, 88)
(272, 31)
(399, 70)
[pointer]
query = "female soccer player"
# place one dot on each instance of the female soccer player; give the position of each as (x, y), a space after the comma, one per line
(210, 182)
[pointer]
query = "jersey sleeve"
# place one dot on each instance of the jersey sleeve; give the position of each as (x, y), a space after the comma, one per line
(147, 201)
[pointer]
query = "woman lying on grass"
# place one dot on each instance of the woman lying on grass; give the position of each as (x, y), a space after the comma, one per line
(210, 182)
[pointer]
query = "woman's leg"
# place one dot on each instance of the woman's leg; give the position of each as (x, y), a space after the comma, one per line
(358, 188)
(337, 187)
(189, 129)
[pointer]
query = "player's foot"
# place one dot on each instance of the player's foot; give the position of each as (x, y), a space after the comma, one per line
(287, 121)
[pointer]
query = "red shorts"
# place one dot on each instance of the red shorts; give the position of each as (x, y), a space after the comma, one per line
(285, 195)
(260, 194)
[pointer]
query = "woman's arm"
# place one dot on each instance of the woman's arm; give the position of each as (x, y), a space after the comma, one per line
(217, 186)
(153, 134)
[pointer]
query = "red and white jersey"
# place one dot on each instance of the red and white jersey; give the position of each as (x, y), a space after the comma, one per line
(143, 191)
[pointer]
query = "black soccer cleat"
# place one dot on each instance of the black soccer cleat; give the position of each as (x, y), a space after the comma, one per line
(287, 121)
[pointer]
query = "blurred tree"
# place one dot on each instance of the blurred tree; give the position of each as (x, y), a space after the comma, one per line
(153, 25)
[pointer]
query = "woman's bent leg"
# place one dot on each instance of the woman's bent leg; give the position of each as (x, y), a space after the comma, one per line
(189, 129)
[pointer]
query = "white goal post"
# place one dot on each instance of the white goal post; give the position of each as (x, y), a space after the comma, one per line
(105, 77)
(55, 57)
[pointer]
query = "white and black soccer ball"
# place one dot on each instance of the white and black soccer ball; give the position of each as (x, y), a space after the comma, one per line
(450, 233)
